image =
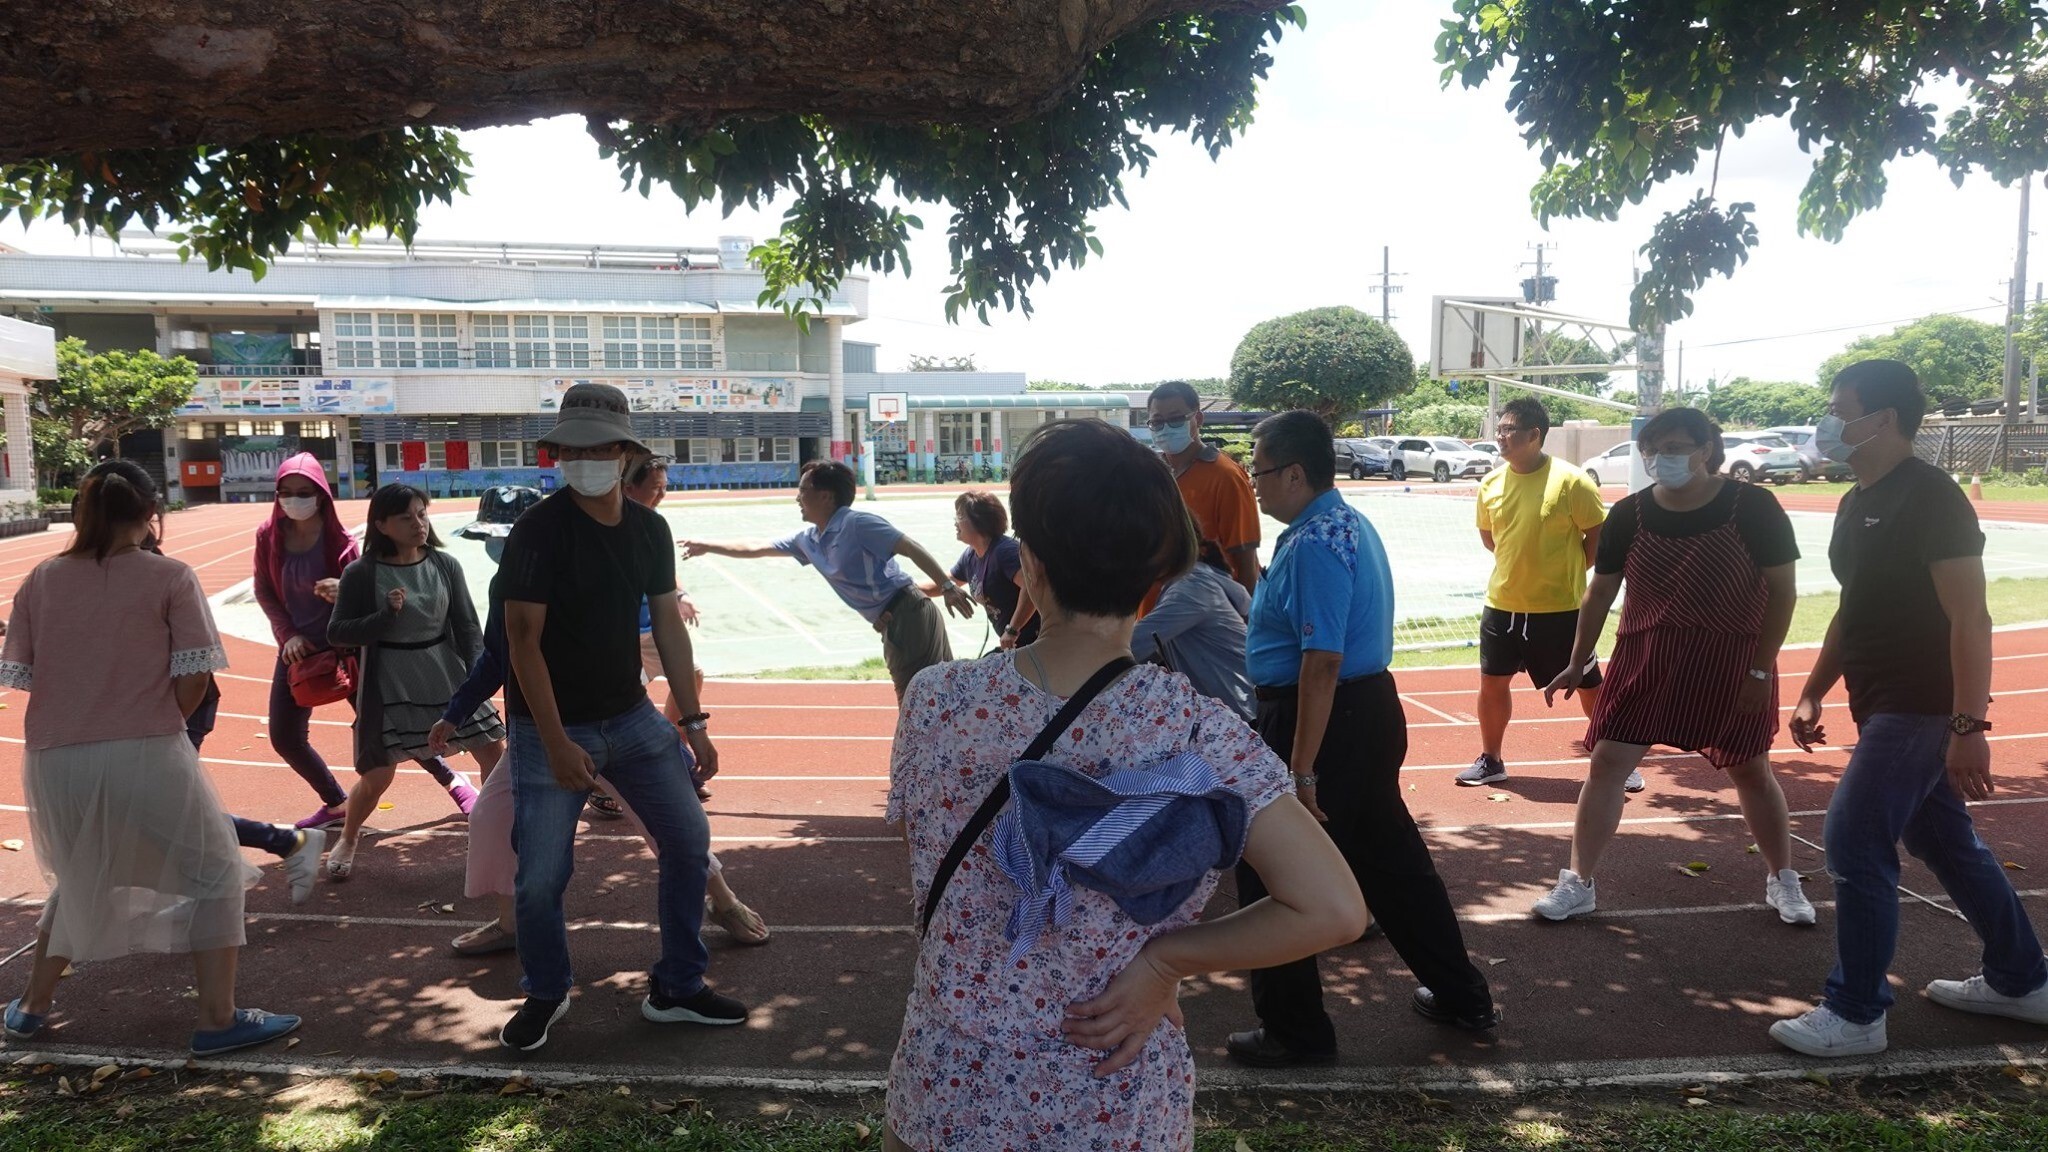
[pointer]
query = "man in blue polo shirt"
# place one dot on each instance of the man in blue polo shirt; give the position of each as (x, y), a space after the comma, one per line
(856, 554)
(1321, 637)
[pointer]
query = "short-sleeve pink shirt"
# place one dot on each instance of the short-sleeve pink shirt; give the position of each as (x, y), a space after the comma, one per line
(96, 645)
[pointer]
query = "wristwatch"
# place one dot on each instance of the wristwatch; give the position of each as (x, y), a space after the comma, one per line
(1304, 780)
(694, 722)
(1759, 674)
(1963, 725)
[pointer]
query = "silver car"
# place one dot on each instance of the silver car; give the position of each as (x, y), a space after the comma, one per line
(1761, 456)
(1438, 457)
(1800, 437)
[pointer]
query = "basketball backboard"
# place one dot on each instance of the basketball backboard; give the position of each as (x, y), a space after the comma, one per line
(888, 407)
(1468, 338)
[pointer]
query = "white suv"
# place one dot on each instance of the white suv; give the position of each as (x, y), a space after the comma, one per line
(1438, 457)
(1761, 456)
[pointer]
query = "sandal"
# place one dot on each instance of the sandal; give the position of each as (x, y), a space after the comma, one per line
(605, 806)
(483, 941)
(341, 860)
(740, 922)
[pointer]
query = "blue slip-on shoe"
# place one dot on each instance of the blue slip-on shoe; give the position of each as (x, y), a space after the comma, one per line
(252, 1026)
(22, 1025)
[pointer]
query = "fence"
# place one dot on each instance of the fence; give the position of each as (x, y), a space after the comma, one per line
(1979, 448)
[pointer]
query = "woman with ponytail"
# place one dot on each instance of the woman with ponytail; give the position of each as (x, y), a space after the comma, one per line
(129, 833)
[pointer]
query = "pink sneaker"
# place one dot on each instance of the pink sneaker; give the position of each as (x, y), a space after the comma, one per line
(463, 795)
(322, 818)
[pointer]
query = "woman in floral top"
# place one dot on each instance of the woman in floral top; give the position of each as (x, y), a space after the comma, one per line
(1079, 1044)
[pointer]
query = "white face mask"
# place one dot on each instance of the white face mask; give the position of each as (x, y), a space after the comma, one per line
(300, 507)
(1671, 471)
(590, 478)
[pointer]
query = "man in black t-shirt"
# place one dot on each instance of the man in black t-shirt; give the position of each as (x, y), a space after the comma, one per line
(1913, 639)
(574, 571)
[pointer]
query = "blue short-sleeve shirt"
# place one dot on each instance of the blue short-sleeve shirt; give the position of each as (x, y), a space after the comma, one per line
(1328, 589)
(856, 554)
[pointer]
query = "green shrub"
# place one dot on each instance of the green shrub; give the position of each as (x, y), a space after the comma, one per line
(56, 497)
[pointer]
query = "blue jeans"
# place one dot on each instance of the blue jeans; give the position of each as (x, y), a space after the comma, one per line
(637, 751)
(1895, 789)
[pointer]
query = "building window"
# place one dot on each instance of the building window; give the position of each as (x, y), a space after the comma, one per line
(693, 343)
(264, 428)
(394, 455)
(192, 430)
(530, 342)
(397, 340)
(492, 335)
(956, 433)
(572, 341)
(437, 340)
(622, 342)
(437, 454)
(700, 451)
(785, 449)
(354, 340)
(507, 454)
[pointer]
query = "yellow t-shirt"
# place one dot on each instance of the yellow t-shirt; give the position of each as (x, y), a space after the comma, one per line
(1539, 523)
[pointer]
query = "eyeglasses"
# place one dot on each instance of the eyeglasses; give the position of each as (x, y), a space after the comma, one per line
(1273, 469)
(1163, 425)
(1504, 431)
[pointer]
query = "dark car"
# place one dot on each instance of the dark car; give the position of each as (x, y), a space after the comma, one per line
(1360, 458)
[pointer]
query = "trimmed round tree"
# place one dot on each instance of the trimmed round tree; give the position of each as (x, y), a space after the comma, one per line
(1331, 361)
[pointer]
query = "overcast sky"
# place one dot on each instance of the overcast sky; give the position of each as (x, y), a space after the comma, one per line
(1355, 147)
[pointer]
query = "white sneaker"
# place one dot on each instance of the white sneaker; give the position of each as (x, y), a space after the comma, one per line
(1822, 1033)
(1634, 783)
(1974, 995)
(1784, 893)
(1572, 897)
(302, 867)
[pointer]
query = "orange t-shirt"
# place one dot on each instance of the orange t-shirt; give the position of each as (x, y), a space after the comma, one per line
(1218, 493)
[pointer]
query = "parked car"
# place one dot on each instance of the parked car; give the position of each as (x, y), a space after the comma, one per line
(1383, 443)
(1358, 458)
(1492, 450)
(1617, 466)
(1761, 456)
(1438, 457)
(1800, 437)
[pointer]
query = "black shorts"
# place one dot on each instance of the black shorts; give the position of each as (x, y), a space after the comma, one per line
(1539, 643)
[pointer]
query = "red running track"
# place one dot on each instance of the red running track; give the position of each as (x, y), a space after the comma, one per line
(1678, 973)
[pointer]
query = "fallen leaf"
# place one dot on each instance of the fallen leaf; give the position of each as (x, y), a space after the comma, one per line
(1695, 1102)
(68, 970)
(1696, 1090)
(64, 1086)
(105, 1071)
(138, 1074)
(386, 806)
(1242, 1146)
(602, 892)
(1753, 850)
(418, 1093)
(91, 1088)
(385, 1076)
(2014, 1071)
(622, 1090)
(1500, 797)
(662, 1108)
(446, 909)
(1697, 866)
(515, 1086)
(294, 1042)
(2015, 865)
(1816, 1076)
(43, 1069)
(124, 1111)
(861, 1131)
(679, 1131)
(1411, 787)
(12, 845)
(1496, 959)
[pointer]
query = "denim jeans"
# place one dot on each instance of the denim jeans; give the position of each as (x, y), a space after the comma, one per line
(1895, 789)
(639, 756)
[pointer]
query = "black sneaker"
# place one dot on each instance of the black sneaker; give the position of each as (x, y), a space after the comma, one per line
(1255, 1049)
(528, 1027)
(1426, 1005)
(1484, 770)
(706, 1007)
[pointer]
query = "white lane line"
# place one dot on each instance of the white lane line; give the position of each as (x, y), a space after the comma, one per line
(410, 833)
(1704, 910)
(773, 609)
(1706, 818)
(1454, 721)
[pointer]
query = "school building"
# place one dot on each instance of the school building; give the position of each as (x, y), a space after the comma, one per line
(441, 365)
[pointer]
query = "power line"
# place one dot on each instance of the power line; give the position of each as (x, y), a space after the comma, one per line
(1850, 327)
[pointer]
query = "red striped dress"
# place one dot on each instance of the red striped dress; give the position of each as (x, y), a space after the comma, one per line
(1689, 627)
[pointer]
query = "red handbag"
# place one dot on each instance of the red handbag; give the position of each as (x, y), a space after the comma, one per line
(323, 678)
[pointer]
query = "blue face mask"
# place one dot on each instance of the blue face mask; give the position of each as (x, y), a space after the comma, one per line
(1671, 471)
(1173, 439)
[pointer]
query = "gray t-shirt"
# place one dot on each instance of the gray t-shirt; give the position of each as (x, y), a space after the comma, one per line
(1198, 628)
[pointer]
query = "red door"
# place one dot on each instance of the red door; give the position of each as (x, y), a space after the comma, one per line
(412, 455)
(458, 454)
(546, 456)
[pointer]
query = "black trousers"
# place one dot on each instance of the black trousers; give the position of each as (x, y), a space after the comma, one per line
(1359, 788)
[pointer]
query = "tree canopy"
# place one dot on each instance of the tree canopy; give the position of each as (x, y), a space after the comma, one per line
(1958, 359)
(1622, 97)
(1746, 403)
(1332, 361)
(1025, 119)
(97, 398)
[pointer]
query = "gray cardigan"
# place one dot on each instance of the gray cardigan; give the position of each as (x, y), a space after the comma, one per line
(361, 619)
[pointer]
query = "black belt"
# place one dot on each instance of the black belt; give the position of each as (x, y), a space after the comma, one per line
(1291, 691)
(414, 645)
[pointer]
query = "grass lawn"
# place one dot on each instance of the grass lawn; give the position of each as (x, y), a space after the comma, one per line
(2011, 602)
(225, 1112)
(2035, 493)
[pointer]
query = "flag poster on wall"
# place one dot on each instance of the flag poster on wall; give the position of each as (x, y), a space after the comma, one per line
(690, 393)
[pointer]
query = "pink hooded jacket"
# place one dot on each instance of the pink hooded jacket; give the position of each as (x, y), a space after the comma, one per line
(341, 548)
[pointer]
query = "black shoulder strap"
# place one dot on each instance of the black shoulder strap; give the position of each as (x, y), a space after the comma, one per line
(999, 796)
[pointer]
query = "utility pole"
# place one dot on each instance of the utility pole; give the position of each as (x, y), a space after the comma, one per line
(2034, 369)
(1541, 288)
(2016, 306)
(1387, 287)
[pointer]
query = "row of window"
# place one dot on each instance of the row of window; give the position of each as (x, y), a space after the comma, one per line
(519, 340)
(525, 454)
(216, 429)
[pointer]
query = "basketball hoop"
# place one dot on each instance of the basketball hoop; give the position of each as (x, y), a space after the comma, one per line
(888, 407)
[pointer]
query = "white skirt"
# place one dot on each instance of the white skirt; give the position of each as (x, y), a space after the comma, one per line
(136, 848)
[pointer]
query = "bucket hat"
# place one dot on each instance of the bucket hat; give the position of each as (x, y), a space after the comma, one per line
(592, 415)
